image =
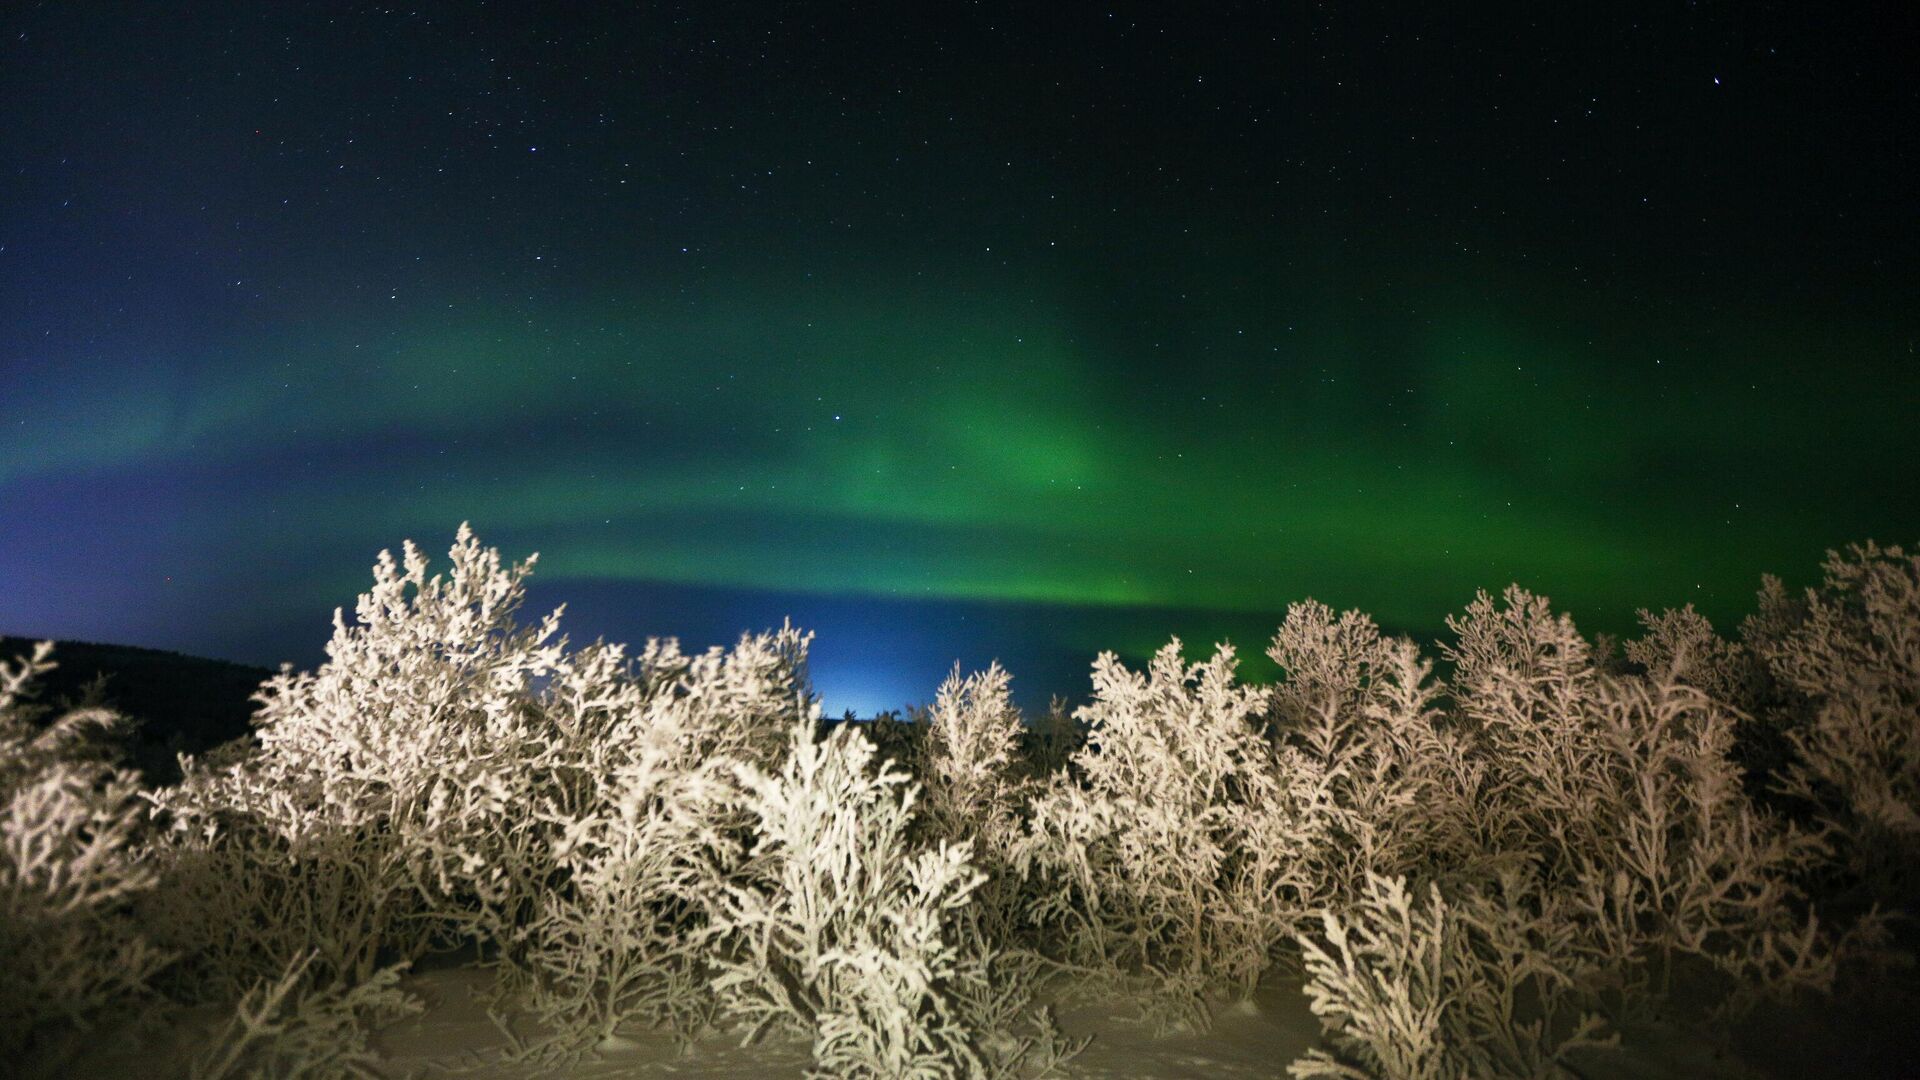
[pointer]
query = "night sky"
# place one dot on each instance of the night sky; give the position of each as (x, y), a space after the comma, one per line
(952, 332)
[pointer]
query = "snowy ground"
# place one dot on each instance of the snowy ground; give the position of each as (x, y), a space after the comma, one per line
(1255, 1039)
(1871, 1037)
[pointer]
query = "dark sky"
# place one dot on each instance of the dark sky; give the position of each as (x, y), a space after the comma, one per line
(951, 331)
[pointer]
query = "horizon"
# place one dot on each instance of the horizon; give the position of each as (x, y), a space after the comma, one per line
(868, 687)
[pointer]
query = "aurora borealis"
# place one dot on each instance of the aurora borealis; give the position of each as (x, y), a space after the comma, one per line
(959, 335)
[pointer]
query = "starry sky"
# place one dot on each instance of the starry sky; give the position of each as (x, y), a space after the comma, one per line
(954, 332)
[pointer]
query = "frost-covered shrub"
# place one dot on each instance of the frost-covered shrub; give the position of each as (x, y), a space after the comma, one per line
(1417, 747)
(1582, 835)
(1516, 660)
(1523, 684)
(1328, 664)
(1470, 990)
(736, 703)
(1622, 796)
(835, 928)
(423, 724)
(70, 866)
(974, 787)
(669, 840)
(622, 942)
(634, 834)
(970, 769)
(1376, 770)
(1171, 850)
(1847, 656)
(383, 808)
(1669, 856)
(242, 896)
(1683, 645)
(449, 774)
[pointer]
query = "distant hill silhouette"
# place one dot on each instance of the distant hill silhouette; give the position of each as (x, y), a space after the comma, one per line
(176, 703)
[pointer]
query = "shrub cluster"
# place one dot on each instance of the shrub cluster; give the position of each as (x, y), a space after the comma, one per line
(72, 956)
(1473, 876)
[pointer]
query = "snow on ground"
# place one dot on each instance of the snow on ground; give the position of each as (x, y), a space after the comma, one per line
(1253, 1039)
(1867, 1038)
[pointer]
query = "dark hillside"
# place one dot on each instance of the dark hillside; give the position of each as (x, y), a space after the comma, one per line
(176, 703)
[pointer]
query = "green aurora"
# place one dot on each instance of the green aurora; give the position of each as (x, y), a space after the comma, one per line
(949, 451)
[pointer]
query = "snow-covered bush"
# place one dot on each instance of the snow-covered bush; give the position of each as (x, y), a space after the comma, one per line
(1623, 796)
(835, 928)
(1848, 655)
(449, 774)
(1423, 756)
(1583, 835)
(635, 816)
(621, 943)
(1171, 850)
(1670, 858)
(249, 885)
(638, 848)
(70, 866)
(1683, 645)
(424, 724)
(1328, 664)
(734, 703)
(1377, 770)
(970, 771)
(1515, 659)
(1471, 990)
(383, 810)
(975, 787)
(607, 829)
(1523, 685)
